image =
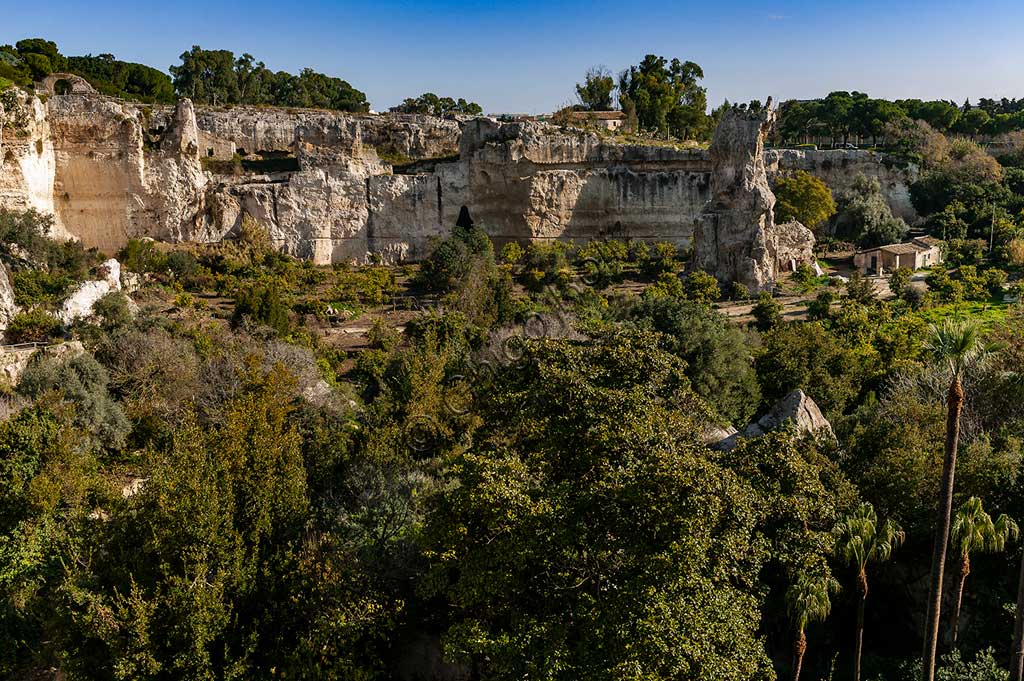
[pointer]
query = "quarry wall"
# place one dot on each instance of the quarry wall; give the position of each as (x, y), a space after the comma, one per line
(331, 186)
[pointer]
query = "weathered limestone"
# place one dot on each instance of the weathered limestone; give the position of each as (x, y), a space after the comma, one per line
(796, 408)
(79, 304)
(8, 308)
(736, 238)
(109, 171)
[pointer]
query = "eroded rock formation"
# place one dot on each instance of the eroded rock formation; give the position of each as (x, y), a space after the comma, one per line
(736, 238)
(331, 186)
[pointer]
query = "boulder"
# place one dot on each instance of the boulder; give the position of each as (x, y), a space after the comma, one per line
(80, 303)
(796, 408)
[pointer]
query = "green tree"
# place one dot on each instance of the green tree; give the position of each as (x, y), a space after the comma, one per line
(804, 198)
(860, 540)
(808, 601)
(956, 344)
(864, 215)
(666, 97)
(974, 530)
(717, 356)
(585, 538)
(596, 92)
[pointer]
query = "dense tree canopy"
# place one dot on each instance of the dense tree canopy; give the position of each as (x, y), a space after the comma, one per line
(217, 77)
(666, 96)
(429, 103)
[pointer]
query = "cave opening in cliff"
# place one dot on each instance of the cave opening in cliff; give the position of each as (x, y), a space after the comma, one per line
(62, 87)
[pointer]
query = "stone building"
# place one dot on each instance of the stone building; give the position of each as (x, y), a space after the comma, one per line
(923, 251)
(609, 120)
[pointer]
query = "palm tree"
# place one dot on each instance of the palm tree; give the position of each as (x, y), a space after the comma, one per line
(808, 601)
(974, 530)
(956, 344)
(860, 540)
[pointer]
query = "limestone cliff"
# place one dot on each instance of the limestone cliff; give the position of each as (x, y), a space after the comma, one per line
(736, 238)
(324, 185)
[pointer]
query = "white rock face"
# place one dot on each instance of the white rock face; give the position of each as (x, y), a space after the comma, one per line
(838, 169)
(796, 408)
(8, 308)
(110, 171)
(80, 303)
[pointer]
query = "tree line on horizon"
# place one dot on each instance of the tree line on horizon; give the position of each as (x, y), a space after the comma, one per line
(214, 77)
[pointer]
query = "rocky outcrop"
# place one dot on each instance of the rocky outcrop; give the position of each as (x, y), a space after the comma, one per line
(324, 186)
(80, 303)
(8, 308)
(795, 408)
(14, 360)
(736, 238)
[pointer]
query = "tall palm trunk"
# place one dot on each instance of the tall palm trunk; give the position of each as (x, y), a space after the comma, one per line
(955, 404)
(965, 569)
(798, 652)
(1017, 664)
(862, 587)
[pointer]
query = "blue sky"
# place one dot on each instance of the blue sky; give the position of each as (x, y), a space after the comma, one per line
(526, 56)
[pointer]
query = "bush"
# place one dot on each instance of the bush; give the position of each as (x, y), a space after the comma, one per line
(511, 253)
(112, 310)
(263, 305)
(701, 287)
(767, 313)
(662, 259)
(452, 258)
(35, 287)
(82, 381)
(34, 326)
(668, 285)
(546, 264)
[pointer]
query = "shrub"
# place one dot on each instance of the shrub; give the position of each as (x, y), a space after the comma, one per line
(662, 259)
(264, 306)
(511, 253)
(767, 312)
(899, 279)
(33, 326)
(668, 285)
(701, 287)
(82, 381)
(112, 310)
(34, 287)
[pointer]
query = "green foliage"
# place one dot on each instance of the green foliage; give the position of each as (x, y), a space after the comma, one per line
(701, 287)
(264, 306)
(666, 97)
(452, 258)
(217, 77)
(804, 198)
(430, 104)
(717, 358)
(767, 312)
(807, 356)
(663, 259)
(668, 285)
(579, 507)
(33, 326)
(81, 381)
(864, 216)
(596, 92)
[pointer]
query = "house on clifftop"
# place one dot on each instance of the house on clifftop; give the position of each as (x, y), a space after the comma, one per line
(923, 251)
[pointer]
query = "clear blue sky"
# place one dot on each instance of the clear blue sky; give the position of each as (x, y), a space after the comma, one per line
(526, 56)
